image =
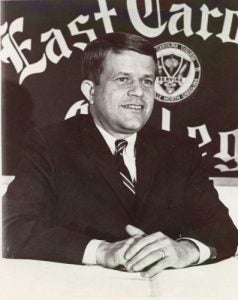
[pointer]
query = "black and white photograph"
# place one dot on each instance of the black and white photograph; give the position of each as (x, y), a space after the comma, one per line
(119, 149)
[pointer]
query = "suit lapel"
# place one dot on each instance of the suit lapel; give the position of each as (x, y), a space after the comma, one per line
(100, 153)
(147, 161)
(151, 162)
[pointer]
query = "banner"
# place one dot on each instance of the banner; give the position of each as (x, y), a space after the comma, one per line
(197, 58)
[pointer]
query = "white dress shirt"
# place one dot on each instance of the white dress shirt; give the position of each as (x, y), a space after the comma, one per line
(89, 256)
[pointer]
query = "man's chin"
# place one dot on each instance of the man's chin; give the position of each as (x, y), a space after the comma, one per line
(133, 127)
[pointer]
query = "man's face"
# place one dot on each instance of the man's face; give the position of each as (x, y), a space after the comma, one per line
(124, 97)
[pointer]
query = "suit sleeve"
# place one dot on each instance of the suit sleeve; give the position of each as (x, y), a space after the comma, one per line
(207, 218)
(28, 206)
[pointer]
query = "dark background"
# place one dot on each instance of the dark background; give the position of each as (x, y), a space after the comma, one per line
(46, 97)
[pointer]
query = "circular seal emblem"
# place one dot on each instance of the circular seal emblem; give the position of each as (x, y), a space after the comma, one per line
(179, 72)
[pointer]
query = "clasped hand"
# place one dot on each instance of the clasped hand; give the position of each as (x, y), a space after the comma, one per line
(149, 254)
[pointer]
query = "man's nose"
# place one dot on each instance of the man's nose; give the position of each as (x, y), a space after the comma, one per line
(135, 89)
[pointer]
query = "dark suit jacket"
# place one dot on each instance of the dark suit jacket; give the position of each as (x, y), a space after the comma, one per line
(67, 191)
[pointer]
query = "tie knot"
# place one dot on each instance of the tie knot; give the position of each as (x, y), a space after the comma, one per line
(120, 145)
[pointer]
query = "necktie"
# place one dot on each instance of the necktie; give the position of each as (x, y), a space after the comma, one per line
(125, 175)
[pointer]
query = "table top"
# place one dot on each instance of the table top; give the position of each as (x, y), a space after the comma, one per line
(38, 280)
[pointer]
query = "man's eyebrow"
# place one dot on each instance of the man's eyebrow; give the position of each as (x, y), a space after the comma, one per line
(128, 73)
(122, 73)
(149, 75)
(152, 75)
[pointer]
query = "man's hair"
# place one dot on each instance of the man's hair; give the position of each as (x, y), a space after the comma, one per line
(96, 51)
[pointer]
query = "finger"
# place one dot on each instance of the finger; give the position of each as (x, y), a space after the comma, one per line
(143, 242)
(132, 230)
(122, 250)
(143, 257)
(157, 268)
(147, 261)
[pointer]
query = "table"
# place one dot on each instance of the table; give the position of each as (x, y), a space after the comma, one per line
(38, 280)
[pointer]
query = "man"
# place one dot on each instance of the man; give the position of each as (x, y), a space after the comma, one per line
(108, 189)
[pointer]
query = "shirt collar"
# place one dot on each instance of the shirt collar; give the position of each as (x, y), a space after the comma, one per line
(110, 140)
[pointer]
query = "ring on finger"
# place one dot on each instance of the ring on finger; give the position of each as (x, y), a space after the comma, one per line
(162, 253)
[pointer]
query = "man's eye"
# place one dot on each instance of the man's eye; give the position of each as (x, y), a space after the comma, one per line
(148, 82)
(123, 79)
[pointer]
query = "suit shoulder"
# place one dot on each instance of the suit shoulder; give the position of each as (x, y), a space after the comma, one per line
(70, 124)
(169, 139)
(65, 129)
(181, 150)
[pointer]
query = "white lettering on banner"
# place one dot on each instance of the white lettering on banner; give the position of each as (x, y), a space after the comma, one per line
(186, 16)
(79, 107)
(132, 7)
(215, 13)
(73, 28)
(105, 14)
(149, 9)
(8, 51)
(166, 119)
(225, 143)
(225, 34)
(58, 40)
(225, 150)
(12, 52)
(203, 132)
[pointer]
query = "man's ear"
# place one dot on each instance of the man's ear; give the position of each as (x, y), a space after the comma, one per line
(87, 88)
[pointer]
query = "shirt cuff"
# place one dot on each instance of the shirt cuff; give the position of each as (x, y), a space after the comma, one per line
(90, 252)
(205, 252)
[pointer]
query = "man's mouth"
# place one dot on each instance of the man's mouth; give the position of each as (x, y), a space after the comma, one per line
(133, 107)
